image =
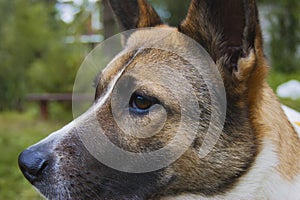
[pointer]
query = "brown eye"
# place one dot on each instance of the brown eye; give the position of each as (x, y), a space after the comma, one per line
(140, 103)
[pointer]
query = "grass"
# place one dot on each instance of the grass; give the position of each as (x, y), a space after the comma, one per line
(277, 78)
(17, 132)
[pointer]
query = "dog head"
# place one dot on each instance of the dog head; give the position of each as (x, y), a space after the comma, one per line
(144, 89)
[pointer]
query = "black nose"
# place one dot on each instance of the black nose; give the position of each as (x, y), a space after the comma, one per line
(32, 163)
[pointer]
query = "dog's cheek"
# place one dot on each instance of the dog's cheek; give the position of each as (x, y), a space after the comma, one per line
(217, 173)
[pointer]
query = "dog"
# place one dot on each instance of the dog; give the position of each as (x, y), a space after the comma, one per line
(256, 156)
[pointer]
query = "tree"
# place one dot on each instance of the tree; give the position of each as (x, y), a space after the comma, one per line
(285, 36)
(22, 39)
(171, 12)
(33, 53)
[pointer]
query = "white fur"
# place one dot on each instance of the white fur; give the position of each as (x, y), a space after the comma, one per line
(293, 117)
(262, 182)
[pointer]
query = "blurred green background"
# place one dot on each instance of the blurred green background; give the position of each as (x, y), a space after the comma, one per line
(43, 43)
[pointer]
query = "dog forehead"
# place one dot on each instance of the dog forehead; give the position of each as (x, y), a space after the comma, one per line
(117, 64)
(161, 36)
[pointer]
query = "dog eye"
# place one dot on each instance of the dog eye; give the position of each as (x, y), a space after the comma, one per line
(140, 103)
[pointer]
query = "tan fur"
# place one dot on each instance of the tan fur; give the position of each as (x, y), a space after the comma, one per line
(271, 123)
(148, 16)
(269, 120)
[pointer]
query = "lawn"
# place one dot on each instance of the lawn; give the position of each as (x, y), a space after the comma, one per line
(276, 78)
(18, 131)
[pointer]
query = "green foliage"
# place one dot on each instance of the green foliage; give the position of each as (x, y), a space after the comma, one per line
(55, 71)
(285, 36)
(172, 13)
(295, 104)
(33, 54)
(276, 78)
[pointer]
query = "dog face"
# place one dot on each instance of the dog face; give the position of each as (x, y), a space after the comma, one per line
(62, 167)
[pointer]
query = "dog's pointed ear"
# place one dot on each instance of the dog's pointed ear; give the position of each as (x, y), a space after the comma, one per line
(133, 14)
(225, 28)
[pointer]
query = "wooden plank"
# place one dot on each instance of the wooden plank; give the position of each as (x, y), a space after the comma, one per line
(44, 100)
(58, 97)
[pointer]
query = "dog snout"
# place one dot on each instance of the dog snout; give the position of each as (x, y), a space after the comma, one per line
(34, 161)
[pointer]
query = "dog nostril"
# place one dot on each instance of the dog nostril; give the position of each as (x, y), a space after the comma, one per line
(44, 165)
(32, 164)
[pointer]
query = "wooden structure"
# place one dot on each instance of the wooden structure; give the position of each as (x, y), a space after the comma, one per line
(44, 100)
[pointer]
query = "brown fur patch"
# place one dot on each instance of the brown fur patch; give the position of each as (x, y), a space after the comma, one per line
(270, 122)
(268, 118)
(134, 14)
(147, 15)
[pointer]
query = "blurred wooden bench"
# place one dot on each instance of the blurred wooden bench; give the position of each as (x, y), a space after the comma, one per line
(44, 100)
